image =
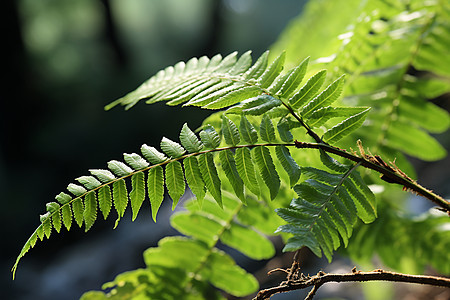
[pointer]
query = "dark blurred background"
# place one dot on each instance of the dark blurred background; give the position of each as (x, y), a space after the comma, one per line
(62, 62)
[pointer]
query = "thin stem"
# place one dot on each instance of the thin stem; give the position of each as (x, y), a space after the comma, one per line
(300, 120)
(377, 275)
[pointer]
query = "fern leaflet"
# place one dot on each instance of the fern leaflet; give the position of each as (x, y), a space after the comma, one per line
(324, 214)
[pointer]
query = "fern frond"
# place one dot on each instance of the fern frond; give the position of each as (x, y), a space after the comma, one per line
(260, 90)
(394, 59)
(412, 253)
(323, 216)
(201, 265)
(255, 90)
(171, 168)
(204, 80)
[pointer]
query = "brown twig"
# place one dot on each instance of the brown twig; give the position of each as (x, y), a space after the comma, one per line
(377, 275)
(390, 174)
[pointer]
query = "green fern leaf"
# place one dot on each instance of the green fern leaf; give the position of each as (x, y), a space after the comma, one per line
(90, 210)
(212, 84)
(200, 226)
(104, 176)
(89, 182)
(194, 178)
(75, 189)
(220, 93)
(259, 67)
(226, 98)
(378, 238)
(255, 106)
(414, 142)
(344, 128)
(168, 253)
(210, 176)
(119, 168)
(230, 131)
(52, 207)
(137, 194)
(309, 90)
(226, 64)
(248, 132)
(171, 148)
(155, 186)
(244, 240)
(284, 127)
(210, 137)
(213, 92)
(120, 197)
(322, 115)
(332, 163)
(39, 233)
(425, 114)
(276, 85)
(44, 217)
(178, 94)
(294, 79)
(104, 200)
(267, 170)
(56, 221)
(325, 98)
(288, 164)
(226, 275)
(266, 130)
(301, 237)
(174, 181)
(242, 65)
(246, 169)
(272, 71)
(193, 88)
(324, 213)
(210, 224)
(189, 140)
(363, 198)
(217, 267)
(66, 216)
(229, 167)
(78, 211)
(153, 155)
(135, 161)
(63, 198)
(47, 228)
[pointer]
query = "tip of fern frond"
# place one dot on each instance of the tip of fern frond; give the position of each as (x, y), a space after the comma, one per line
(13, 270)
(112, 104)
(116, 223)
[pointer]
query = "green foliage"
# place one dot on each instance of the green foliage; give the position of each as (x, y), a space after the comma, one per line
(420, 241)
(392, 55)
(172, 273)
(382, 48)
(243, 174)
(327, 207)
(242, 166)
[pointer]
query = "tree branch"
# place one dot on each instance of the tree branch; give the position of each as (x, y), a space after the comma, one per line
(389, 173)
(377, 275)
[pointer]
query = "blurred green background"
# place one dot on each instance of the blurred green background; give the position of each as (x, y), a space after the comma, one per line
(64, 61)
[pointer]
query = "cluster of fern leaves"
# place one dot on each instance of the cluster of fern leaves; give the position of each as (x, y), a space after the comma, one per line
(244, 168)
(395, 59)
(242, 151)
